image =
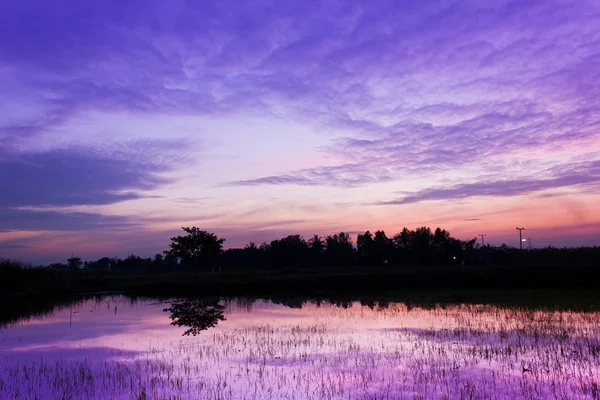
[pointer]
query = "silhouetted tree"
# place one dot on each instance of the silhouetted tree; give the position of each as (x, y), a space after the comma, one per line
(132, 263)
(339, 249)
(197, 315)
(196, 248)
(102, 263)
(364, 244)
(383, 247)
(421, 244)
(317, 246)
(170, 262)
(289, 251)
(404, 239)
(440, 237)
(157, 263)
(74, 262)
(252, 254)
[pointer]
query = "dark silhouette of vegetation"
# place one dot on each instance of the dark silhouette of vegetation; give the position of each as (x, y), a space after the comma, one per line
(74, 262)
(196, 314)
(421, 258)
(198, 248)
(418, 247)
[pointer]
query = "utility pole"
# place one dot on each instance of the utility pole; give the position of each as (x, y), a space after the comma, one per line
(482, 235)
(521, 237)
(529, 243)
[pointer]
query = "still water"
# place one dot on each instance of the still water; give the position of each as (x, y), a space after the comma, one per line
(119, 348)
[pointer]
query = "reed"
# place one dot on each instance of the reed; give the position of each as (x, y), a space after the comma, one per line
(322, 351)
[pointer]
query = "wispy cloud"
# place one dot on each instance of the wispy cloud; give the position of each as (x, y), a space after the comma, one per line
(43, 220)
(5, 246)
(348, 175)
(587, 173)
(455, 98)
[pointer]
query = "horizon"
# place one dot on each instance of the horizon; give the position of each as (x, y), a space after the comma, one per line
(256, 120)
(529, 243)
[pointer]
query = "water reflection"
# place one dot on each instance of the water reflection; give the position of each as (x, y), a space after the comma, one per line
(20, 311)
(299, 348)
(196, 315)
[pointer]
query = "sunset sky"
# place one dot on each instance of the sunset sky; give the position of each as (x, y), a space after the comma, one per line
(122, 121)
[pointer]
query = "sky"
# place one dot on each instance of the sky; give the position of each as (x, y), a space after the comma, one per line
(121, 122)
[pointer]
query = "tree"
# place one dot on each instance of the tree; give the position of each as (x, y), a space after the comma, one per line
(404, 239)
(102, 263)
(132, 262)
(316, 246)
(289, 251)
(74, 262)
(421, 244)
(197, 248)
(251, 255)
(382, 247)
(364, 244)
(250, 247)
(441, 237)
(196, 315)
(339, 249)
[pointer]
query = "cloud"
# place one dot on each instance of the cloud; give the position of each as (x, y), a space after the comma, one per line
(467, 98)
(348, 175)
(468, 101)
(276, 180)
(6, 246)
(172, 57)
(41, 220)
(76, 177)
(582, 175)
(409, 149)
(189, 200)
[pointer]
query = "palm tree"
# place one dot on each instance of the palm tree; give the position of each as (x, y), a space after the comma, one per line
(316, 244)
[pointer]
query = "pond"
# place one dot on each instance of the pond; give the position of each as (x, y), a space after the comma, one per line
(116, 347)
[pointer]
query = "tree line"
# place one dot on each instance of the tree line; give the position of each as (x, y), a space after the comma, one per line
(199, 250)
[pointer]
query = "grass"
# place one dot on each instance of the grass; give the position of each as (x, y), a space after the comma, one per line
(387, 351)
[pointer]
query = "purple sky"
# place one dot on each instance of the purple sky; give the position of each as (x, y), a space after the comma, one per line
(120, 122)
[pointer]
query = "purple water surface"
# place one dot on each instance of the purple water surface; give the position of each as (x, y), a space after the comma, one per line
(116, 348)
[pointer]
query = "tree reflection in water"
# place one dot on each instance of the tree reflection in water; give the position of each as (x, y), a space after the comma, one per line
(197, 315)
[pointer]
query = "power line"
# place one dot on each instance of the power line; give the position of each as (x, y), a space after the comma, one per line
(482, 235)
(520, 237)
